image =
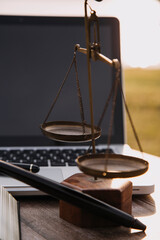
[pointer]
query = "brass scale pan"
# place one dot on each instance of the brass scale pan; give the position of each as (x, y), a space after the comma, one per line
(69, 131)
(111, 165)
(97, 165)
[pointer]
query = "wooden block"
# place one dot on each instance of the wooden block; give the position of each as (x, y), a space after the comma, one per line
(115, 192)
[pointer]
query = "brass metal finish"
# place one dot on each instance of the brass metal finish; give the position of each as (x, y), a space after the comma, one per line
(69, 131)
(87, 30)
(97, 165)
(99, 56)
(111, 165)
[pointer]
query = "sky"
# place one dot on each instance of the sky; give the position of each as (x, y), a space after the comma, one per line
(140, 30)
(139, 21)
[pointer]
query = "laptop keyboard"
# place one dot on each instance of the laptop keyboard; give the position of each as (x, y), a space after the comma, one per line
(44, 158)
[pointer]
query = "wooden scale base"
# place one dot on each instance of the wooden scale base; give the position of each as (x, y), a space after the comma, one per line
(116, 192)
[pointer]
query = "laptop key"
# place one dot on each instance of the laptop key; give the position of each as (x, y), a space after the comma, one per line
(4, 158)
(72, 163)
(40, 163)
(103, 150)
(67, 151)
(60, 162)
(22, 161)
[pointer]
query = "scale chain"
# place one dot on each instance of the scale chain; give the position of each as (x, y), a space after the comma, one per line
(78, 90)
(79, 94)
(59, 91)
(131, 121)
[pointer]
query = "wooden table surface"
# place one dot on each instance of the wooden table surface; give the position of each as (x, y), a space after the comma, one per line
(40, 217)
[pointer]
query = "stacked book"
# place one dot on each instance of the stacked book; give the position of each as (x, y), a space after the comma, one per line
(9, 216)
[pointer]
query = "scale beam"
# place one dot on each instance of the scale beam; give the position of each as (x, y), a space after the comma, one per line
(99, 56)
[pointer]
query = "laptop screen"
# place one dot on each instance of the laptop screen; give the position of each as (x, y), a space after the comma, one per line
(35, 54)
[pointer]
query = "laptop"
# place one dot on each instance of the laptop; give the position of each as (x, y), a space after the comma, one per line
(35, 54)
